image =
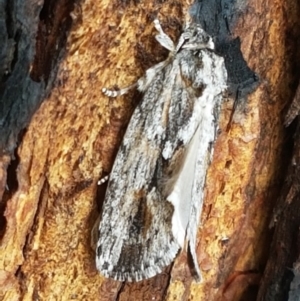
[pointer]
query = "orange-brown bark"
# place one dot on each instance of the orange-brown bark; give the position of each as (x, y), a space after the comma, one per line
(72, 139)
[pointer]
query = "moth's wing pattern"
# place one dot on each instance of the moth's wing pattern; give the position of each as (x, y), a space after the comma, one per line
(215, 73)
(204, 79)
(135, 236)
(153, 195)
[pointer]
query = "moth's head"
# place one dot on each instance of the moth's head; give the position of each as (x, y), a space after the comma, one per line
(196, 38)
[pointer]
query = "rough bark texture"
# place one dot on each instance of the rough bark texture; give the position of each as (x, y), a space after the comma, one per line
(281, 276)
(72, 139)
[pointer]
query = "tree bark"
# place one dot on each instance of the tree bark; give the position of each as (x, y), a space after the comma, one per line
(281, 276)
(71, 141)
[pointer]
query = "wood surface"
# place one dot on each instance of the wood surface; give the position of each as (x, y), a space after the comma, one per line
(71, 140)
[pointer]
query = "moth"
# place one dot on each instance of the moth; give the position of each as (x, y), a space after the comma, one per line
(155, 191)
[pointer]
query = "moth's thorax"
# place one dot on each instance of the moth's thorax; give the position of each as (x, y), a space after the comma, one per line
(195, 37)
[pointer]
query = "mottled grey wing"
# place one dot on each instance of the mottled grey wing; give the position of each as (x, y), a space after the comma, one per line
(205, 76)
(152, 192)
(135, 233)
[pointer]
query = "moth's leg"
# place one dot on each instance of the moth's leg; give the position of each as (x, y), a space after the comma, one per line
(103, 180)
(162, 38)
(165, 41)
(115, 93)
(143, 83)
(95, 229)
